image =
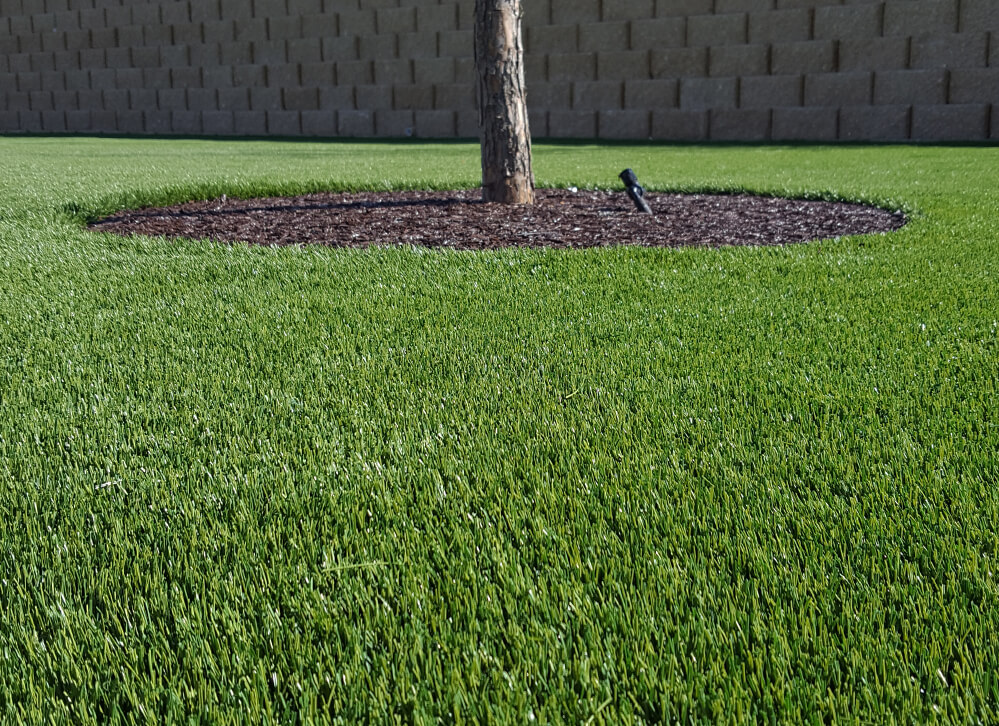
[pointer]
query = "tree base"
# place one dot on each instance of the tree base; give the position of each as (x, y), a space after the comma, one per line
(510, 190)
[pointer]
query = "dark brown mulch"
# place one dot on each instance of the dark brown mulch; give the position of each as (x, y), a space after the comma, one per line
(460, 220)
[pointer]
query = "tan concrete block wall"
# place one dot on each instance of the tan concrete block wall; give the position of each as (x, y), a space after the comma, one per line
(750, 70)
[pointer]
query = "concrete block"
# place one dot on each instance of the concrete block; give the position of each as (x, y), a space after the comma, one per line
(920, 17)
(537, 121)
(105, 121)
(129, 122)
(743, 6)
(874, 123)
(357, 22)
(699, 94)
(659, 33)
(963, 122)
(174, 56)
(910, 87)
(148, 13)
(354, 72)
(236, 9)
(142, 99)
(29, 43)
(566, 67)
(597, 95)
(206, 99)
(875, 54)
(78, 121)
(994, 132)
(572, 124)
(319, 123)
(145, 57)
(545, 96)
(288, 27)
(856, 22)
(670, 8)
(626, 124)
(951, 50)
(250, 123)
(218, 123)
(128, 78)
(249, 76)
(759, 92)
(284, 75)
(436, 18)
(535, 68)
(388, 72)
(377, 47)
(54, 121)
(269, 8)
(265, 99)
(547, 39)
(805, 124)
(102, 78)
(679, 63)
(29, 81)
(438, 124)
(217, 77)
(537, 12)
(119, 57)
(160, 35)
(466, 16)
(305, 50)
(569, 12)
(53, 80)
(76, 80)
(21, 63)
(624, 65)
(393, 123)
(817, 56)
(284, 123)
(314, 75)
(92, 18)
(171, 99)
(611, 10)
(456, 44)
(373, 97)
(412, 98)
(18, 101)
(344, 48)
(731, 29)
(735, 60)
(418, 45)
(839, 89)
(434, 71)
(76, 40)
(269, 52)
(305, 7)
(182, 77)
(251, 30)
(336, 97)
(395, 20)
(780, 26)
(8, 121)
(323, 25)
(114, 99)
(672, 125)
(739, 125)
(300, 99)
(40, 101)
(468, 124)
(978, 15)
(974, 85)
(221, 31)
(30, 121)
(205, 11)
(603, 37)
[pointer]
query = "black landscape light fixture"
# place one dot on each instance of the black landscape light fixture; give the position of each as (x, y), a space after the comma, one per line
(635, 190)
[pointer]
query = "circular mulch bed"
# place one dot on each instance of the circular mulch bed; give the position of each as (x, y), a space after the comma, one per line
(561, 218)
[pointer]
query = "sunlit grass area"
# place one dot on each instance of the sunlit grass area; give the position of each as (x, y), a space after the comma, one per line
(618, 485)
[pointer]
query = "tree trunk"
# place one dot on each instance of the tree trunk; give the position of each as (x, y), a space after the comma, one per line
(503, 130)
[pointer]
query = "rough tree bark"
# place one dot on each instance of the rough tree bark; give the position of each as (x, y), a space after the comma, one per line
(503, 129)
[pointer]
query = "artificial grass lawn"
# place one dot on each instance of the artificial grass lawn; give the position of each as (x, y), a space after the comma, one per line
(610, 486)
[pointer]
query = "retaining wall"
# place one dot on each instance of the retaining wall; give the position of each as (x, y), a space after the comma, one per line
(750, 70)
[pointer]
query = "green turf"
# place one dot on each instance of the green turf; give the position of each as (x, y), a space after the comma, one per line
(608, 486)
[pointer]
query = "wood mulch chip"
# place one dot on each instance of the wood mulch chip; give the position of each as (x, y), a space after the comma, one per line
(560, 218)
